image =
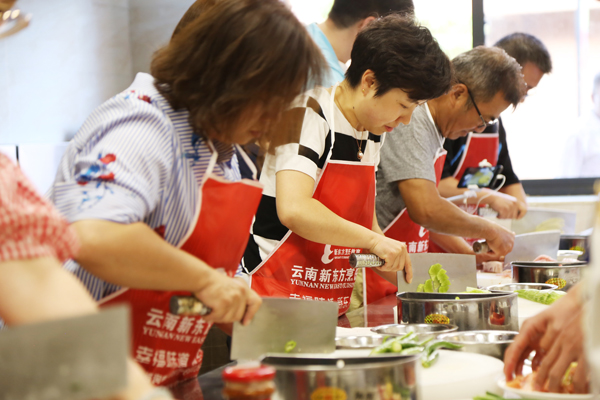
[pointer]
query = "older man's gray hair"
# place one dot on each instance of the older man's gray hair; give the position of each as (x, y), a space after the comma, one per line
(487, 71)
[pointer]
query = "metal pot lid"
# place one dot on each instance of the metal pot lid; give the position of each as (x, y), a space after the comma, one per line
(342, 358)
(548, 264)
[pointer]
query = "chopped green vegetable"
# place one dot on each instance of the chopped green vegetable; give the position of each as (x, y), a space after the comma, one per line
(457, 298)
(409, 345)
(475, 290)
(438, 282)
(289, 346)
(489, 396)
(541, 296)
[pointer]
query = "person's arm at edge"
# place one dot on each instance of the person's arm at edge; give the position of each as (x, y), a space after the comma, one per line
(38, 289)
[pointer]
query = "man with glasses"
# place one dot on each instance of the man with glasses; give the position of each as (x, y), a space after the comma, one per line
(491, 145)
(408, 201)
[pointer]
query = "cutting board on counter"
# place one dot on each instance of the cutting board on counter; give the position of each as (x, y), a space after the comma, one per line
(542, 219)
(458, 375)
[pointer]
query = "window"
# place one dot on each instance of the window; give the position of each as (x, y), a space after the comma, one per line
(570, 30)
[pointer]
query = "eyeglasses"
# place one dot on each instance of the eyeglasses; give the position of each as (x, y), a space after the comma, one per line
(483, 122)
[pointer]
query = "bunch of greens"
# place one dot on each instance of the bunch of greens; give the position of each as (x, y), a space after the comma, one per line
(438, 282)
(541, 296)
(409, 344)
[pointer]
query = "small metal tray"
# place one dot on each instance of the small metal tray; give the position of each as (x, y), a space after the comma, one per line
(511, 287)
(490, 343)
(359, 342)
(425, 331)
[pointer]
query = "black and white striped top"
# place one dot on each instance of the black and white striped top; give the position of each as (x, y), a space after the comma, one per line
(312, 111)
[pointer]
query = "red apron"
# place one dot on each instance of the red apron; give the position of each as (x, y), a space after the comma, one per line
(301, 269)
(403, 229)
(479, 147)
(169, 346)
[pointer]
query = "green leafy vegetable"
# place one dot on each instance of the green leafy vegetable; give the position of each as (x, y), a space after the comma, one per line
(438, 282)
(289, 346)
(541, 296)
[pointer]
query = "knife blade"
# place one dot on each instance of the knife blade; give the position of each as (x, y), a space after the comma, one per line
(460, 268)
(69, 359)
(310, 324)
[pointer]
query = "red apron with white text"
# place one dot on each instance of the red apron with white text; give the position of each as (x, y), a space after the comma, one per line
(169, 346)
(403, 229)
(479, 147)
(301, 269)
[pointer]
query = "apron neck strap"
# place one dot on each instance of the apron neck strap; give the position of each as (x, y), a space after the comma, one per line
(247, 160)
(213, 160)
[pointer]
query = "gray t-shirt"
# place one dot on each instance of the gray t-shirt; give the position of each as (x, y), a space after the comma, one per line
(407, 153)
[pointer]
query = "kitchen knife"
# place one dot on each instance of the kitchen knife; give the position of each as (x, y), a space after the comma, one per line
(541, 219)
(68, 359)
(529, 246)
(310, 324)
(460, 268)
(365, 260)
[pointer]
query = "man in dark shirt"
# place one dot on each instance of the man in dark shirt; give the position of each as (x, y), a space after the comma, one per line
(535, 60)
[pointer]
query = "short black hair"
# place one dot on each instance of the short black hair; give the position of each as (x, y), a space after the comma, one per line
(346, 13)
(402, 55)
(525, 48)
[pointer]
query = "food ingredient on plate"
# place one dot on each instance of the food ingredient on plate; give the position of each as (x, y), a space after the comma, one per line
(438, 282)
(526, 382)
(489, 396)
(289, 346)
(544, 257)
(409, 344)
(541, 296)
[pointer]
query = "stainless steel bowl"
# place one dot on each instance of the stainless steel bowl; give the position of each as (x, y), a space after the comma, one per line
(511, 287)
(488, 311)
(564, 275)
(425, 331)
(490, 343)
(358, 342)
(352, 378)
(576, 242)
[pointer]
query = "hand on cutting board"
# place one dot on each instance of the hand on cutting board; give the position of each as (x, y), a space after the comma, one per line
(551, 334)
(395, 255)
(230, 299)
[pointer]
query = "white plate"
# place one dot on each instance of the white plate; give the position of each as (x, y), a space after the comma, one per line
(526, 394)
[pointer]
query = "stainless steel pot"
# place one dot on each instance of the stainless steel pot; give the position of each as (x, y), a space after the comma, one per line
(576, 242)
(564, 275)
(488, 311)
(489, 343)
(351, 378)
(511, 287)
(425, 331)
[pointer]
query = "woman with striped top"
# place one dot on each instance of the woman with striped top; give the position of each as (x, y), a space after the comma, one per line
(150, 180)
(318, 203)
